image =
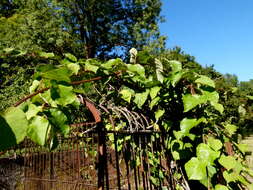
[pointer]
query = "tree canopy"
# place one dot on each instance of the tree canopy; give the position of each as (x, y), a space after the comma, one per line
(85, 28)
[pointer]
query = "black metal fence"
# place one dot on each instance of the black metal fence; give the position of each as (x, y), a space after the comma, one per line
(94, 156)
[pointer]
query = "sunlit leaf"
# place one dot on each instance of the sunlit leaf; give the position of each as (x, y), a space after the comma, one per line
(205, 81)
(231, 129)
(136, 68)
(32, 110)
(187, 124)
(154, 91)
(195, 169)
(206, 154)
(215, 144)
(70, 57)
(158, 114)
(140, 98)
(38, 130)
(13, 127)
(228, 162)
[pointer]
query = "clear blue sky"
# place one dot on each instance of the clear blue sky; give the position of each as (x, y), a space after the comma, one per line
(218, 32)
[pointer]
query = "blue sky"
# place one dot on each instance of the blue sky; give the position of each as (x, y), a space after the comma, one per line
(218, 32)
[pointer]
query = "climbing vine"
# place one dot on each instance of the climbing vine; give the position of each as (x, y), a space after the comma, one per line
(179, 102)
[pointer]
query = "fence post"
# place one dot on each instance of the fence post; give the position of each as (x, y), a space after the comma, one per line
(102, 158)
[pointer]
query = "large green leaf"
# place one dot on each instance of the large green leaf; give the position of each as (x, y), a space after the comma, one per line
(206, 154)
(215, 144)
(140, 98)
(74, 68)
(228, 162)
(221, 187)
(111, 63)
(32, 110)
(13, 127)
(136, 68)
(66, 95)
(17, 121)
(159, 113)
(195, 169)
(191, 101)
(210, 96)
(59, 119)
(218, 107)
(126, 94)
(38, 130)
(175, 65)
(187, 124)
(154, 91)
(174, 78)
(205, 81)
(231, 129)
(154, 102)
(60, 74)
(91, 67)
(70, 57)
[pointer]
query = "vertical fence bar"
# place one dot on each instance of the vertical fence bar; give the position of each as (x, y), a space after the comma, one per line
(101, 157)
(117, 160)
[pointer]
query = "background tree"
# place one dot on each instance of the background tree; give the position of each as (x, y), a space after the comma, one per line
(87, 28)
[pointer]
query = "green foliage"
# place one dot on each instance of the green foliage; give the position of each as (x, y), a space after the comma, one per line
(86, 28)
(183, 104)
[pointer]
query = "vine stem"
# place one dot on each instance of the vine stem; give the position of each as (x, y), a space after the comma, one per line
(72, 83)
(45, 89)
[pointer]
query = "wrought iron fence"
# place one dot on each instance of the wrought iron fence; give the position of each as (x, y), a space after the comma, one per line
(94, 156)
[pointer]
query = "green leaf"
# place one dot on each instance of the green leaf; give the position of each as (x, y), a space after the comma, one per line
(38, 130)
(32, 110)
(70, 57)
(175, 77)
(218, 107)
(195, 169)
(46, 97)
(34, 86)
(243, 147)
(59, 119)
(191, 101)
(231, 129)
(187, 124)
(91, 67)
(154, 91)
(205, 81)
(154, 102)
(74, 68)
(13, 127)
(127, 94)
(111, 63)
(175, 65)
(67, 96)
(221, 187)
(46, 55)
(206, 154)
(250, 97)
(136, 68)
(210, 96)
(227, 162)
(215, 144)
(140, 98)
(229, 176)
(60, 74)
(158, 114)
